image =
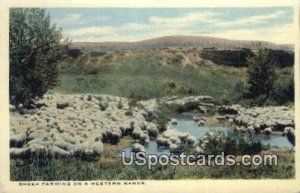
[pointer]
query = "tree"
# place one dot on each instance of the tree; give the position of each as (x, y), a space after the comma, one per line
(261, 74)
(35, 47)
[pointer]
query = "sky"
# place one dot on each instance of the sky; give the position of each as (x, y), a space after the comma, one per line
(274, 24)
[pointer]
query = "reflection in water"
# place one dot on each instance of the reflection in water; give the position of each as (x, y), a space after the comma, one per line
(188, 125)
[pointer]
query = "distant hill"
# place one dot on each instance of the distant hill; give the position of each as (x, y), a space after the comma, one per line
(179, 42)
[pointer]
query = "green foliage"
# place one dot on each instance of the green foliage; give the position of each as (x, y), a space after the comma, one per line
(35, 48)
(261, 74)
(237, 58)
(231, 143)
(284, 86)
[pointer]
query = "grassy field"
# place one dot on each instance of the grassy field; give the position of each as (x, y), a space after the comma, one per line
(112, 169)
(144, 80)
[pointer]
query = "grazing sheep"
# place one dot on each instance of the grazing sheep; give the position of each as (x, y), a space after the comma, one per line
(221, 118)
(19, 152)
(37, 149)
(17, 140)
(62, 105)
(136, 134)
(267, 131)
(58, 152)
(106, 135)
(174, 148)
(89, 150)
(175, 140)
(201, 123)
(68, 138)
(196, 118)
(63, 145)
(290, 134)
(115, 137)
(174, 121)
(183, 137)
(98, 148)
(153, 131)
(191, 140)
(203, 119)
(250, 129)
(161, 141)
(144, 139)
(138, 148)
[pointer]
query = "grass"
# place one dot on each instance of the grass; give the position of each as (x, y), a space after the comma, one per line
(149, 80)
(71, 169)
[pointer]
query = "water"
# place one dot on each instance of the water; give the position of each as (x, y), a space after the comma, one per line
(186, 124)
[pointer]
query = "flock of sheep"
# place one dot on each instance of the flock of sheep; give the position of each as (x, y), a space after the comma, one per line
(80, 125)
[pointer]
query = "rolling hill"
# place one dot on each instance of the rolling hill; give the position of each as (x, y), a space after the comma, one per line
(179, 42)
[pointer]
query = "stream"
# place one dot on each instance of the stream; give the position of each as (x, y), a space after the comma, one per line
(187, 124)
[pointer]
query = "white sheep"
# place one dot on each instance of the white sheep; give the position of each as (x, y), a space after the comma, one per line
(174, 121)
(201, 122)
(17, 140)
(174, 148)
(175, 140)
(161, 141)
(138, 148)
(144, 138)
(290, 133)
(267, 131)
(191, 140)
(19, 152)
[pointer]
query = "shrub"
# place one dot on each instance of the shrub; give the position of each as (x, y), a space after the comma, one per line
(284, 87)
(261, 74)
(232, 142)
(35, 47)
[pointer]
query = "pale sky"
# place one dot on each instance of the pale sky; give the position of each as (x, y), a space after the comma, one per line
(132, 24)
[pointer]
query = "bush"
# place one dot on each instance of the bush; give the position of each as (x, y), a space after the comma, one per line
(231, 143)
(261, 74)
(35, 48)
(284, 87)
